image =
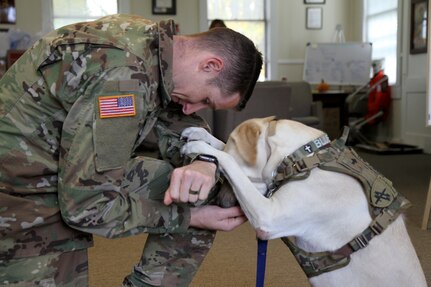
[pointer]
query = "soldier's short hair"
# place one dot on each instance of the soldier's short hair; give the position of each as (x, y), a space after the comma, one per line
(242, 60)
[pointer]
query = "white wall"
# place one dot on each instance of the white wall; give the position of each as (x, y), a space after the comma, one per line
(187, 16)
(410, 120)
(30, 14)
(293, 35)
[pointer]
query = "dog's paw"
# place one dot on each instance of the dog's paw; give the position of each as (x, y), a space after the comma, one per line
(195, 134)
(197, 147)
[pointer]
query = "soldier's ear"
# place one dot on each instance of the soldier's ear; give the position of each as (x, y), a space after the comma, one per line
(212, 64)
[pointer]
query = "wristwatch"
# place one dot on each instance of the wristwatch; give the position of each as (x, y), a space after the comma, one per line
(207, 158)
(212, 159)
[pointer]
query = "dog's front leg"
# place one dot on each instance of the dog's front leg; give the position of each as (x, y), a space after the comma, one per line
(258, 209)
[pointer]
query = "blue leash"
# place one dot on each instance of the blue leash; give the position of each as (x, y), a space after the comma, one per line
(262, 246)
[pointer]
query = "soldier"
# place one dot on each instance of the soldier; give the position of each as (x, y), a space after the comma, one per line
(76, 113)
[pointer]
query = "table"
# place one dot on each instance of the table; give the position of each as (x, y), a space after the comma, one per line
(334, 111)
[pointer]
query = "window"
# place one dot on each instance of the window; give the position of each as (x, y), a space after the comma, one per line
(244, 16)
(381, 29)
(67, 12)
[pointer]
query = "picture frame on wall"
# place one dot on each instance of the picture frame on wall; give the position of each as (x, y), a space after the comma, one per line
(164, 7)
(314, 18)
(418, 26)
(7, 12)
(314, 1)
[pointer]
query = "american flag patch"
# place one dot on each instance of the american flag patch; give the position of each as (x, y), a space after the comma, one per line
(117, 106)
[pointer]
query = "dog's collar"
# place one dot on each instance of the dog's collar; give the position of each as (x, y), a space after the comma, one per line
(310, 148)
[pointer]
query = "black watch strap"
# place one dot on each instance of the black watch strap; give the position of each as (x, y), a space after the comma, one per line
(207, 158)
(212, 159)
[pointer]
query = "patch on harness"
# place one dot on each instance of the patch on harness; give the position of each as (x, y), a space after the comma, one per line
(382, 193)
(379, 189)
(308, 148)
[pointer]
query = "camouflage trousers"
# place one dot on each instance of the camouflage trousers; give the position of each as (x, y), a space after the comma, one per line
(167, 259)
(170, 259)
(68, 269)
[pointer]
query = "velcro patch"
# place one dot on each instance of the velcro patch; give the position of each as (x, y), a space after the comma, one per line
(382, 193)
(117, 106)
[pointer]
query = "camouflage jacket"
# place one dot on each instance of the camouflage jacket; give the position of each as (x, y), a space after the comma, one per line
(61, 148)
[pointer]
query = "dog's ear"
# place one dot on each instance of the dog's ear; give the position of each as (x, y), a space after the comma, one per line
(245, 139)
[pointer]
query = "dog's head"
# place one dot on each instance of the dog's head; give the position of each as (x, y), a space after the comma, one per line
(260, 144)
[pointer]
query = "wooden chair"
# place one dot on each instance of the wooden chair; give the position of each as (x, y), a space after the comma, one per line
(270, 98)
(427, 211)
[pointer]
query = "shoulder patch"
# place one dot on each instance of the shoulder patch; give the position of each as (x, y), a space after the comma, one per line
(117, 106)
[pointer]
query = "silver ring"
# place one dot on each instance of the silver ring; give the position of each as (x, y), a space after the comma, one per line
(194, 192)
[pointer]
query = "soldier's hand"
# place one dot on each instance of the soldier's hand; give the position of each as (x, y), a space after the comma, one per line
(217, 218)
(191, 183)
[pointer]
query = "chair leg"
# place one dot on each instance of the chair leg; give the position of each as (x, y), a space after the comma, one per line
(427, 211)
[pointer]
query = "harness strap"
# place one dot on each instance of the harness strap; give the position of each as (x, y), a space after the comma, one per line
(297, 165)
(379, 190)
(385, 202)
(339, 158)
(379, 223)
(316, 263)
(311, 147)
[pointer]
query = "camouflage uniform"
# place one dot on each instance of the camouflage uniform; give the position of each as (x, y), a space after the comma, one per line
(64, 155)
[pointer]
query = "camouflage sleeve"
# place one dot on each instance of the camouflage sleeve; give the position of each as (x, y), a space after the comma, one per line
(168, 130)
(103, 187)
(171, 122)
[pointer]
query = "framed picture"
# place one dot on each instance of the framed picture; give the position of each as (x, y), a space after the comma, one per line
(314, 1)
(164, 7)
(314, 17)
(418, 26)
(7, 12)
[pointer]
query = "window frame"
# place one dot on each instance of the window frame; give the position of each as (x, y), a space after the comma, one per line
(270, 50)
(48, 6)
(398, 58)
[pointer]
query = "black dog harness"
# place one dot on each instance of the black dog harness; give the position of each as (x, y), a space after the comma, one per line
(385, 202)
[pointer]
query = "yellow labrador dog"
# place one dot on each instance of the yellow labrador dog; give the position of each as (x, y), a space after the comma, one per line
(325, 211)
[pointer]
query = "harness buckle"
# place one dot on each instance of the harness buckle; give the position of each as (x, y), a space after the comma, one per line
(362, 241)
(376, 227)
(271, 189)
(300, 166)
(306, 163)
(288, 171)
